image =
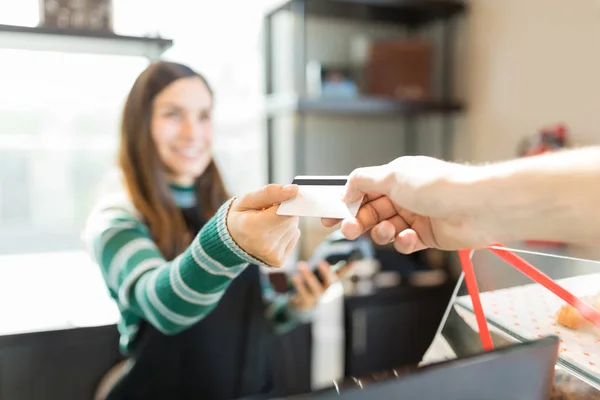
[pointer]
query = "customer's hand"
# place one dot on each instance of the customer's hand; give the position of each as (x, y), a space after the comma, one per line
(308, 288)
(415, 202)
(254, 225)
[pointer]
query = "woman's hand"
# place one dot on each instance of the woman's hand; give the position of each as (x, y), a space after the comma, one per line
(308, 288)
(254, 225)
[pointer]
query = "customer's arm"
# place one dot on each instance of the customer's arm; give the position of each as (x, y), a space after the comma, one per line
(555, 196)
(420, 202)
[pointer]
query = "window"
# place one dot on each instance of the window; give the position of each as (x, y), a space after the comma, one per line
(59, 112)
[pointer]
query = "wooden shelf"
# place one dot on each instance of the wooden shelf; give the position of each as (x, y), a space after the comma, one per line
(409, 12)
(81, 41)
(276, 104)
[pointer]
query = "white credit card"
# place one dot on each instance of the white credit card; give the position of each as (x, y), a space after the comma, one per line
(319, 196)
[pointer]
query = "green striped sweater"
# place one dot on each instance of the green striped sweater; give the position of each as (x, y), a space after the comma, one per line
(170, 295)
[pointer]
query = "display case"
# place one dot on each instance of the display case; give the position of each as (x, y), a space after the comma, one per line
(518, 309)
(518, 312)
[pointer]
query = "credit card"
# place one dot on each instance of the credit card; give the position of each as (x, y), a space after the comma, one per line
(319, 196)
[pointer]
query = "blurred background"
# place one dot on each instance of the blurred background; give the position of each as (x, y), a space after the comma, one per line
(314, 87)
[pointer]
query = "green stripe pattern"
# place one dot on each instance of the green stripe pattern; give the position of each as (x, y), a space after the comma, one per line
(172, 295)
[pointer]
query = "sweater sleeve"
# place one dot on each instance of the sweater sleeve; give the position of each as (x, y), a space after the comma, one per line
(171, 295)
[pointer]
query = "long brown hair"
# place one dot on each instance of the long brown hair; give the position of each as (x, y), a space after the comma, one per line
(143, 172)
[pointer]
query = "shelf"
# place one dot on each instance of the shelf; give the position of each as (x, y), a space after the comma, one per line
(409, 12)
(80, 41)
(276, 104)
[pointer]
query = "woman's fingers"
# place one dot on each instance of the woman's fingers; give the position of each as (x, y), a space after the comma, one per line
(261, 232)
(345, 270)
(330, 222)
(328, 276)
(266, 197)
(313, 284)
(302, 292)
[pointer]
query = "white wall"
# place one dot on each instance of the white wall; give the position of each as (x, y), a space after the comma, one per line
(531, 63)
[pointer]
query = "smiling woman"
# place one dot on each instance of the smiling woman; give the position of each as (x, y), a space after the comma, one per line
(181, 259)
(182, 128)
(166, 140)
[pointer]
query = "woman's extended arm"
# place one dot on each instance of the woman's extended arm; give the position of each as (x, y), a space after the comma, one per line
(171, 295)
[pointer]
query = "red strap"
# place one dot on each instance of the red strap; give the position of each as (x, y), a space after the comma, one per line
(473, 289)
(588, 312)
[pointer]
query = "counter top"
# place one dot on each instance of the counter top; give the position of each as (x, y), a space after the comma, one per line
(528, 312)
(52, 291)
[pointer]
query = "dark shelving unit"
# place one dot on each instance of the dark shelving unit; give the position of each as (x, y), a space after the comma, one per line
(81, 41)
(363, 106)
(407, 12)
(412, 15)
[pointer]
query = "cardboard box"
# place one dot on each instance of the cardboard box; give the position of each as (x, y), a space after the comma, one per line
(94, 15)
(401, 69)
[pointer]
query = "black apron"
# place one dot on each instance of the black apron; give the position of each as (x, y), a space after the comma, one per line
(226, 355)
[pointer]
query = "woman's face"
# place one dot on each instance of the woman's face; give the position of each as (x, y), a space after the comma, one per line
(182, 129)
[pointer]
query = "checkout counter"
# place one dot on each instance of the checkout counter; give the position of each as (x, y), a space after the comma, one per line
(58, 333)
(518, 311)
(61, 338)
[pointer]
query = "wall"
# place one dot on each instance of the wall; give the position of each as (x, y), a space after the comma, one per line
(531, 63)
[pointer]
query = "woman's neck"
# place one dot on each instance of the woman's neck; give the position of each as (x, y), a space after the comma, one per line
(184, 196)
(179, 186)
(181, 181)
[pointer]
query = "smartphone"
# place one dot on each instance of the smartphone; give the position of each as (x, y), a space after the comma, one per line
(338, 252)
